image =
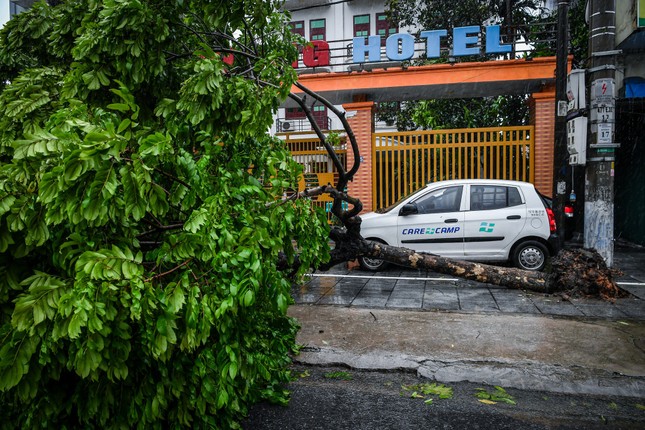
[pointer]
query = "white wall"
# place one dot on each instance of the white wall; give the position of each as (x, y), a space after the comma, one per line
(4, 12)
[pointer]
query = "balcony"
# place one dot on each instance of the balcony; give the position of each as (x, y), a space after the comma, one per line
(299, 4)
(284, 125)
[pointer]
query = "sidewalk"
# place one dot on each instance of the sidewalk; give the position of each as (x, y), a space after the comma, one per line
(450, 329)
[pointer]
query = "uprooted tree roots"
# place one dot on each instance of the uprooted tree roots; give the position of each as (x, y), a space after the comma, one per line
(583, 272)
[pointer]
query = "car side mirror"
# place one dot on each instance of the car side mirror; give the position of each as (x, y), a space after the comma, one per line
(409, 209)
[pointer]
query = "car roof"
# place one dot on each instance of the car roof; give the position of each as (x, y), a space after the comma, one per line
(479, 181)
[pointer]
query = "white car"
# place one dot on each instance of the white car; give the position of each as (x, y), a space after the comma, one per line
(469, 219)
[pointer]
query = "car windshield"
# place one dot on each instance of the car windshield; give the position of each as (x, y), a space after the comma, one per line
(392, 206)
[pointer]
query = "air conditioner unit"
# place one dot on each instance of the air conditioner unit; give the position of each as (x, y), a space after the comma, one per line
(287, 125)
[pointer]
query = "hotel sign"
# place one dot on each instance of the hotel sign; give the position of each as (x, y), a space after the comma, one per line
(400, 46)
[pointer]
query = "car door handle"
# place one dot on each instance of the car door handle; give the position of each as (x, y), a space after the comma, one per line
(451, 220)
(514, 217)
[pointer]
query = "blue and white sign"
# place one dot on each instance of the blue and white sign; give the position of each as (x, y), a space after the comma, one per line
(400, 46)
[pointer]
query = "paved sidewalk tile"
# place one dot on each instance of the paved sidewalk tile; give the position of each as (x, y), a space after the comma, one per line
(477, 299)
(591, 308)
(514, 302)
(397, 288)
(438, 298)
(553, 305)
(404, 303)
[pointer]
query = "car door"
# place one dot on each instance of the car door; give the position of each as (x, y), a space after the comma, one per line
(496, 216)
(434, 222)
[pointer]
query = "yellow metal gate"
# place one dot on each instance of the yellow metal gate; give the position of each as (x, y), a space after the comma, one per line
(317, 165)
(403, 162)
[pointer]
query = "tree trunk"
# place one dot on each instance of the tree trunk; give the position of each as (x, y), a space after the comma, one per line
(573, 272)
(484, 273)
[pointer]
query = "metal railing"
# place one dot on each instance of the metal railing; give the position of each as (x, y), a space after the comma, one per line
(527, 41)
(284, 125)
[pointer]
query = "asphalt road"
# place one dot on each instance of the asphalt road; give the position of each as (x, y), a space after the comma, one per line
(321, 398)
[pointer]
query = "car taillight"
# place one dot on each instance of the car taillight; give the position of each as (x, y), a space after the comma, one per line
(568, 211)
(551, 216)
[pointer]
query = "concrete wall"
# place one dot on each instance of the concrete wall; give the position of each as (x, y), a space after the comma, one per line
(626, 19)
(4, 12)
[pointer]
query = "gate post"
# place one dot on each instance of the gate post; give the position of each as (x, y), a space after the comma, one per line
(542, 117)
(360, 116)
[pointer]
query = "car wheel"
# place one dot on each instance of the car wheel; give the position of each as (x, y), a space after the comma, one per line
(373, 264)
(530, 255)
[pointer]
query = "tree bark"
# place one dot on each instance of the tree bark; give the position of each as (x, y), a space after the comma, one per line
(573, 272)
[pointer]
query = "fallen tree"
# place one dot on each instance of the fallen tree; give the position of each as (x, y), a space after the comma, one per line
(574, 272)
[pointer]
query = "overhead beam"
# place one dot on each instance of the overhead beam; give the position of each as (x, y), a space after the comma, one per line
(456, 80)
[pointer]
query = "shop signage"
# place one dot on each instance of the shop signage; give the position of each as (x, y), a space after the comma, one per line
(400, 46)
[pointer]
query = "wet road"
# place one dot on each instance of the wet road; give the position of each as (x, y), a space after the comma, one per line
(323, 399)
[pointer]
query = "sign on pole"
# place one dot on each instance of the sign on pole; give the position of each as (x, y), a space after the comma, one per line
(602, 117)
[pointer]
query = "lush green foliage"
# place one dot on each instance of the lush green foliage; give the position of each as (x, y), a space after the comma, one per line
(461, 113)
(140, 214)
(526, 18)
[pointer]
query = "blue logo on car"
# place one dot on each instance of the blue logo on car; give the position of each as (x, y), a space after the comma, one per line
(431, 230)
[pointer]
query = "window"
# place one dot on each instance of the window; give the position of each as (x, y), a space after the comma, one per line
(384, 28)
(317, 29)
(442, 200)
(361, 25)
(487, 197)
(294, 113)
(298, 27)
(16, 7)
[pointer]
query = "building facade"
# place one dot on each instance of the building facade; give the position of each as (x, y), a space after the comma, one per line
(9, 8)
(629, 202)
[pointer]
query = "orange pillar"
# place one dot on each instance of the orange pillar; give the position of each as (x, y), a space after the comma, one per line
(542, 117)
(360, 116)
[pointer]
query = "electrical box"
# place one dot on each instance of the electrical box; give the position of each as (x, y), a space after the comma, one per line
(577, 141)
(576, 89)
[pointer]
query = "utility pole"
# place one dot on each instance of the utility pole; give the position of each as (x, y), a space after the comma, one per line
(599, 173)
(560, 153)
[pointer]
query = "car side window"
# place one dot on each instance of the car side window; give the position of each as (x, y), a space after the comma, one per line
(441, 200)
(488, 197)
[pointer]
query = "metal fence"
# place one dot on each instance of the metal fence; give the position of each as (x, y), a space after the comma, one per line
(318, 166)
(405, 161)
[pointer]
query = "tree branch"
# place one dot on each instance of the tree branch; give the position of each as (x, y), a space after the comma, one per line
(161, 275)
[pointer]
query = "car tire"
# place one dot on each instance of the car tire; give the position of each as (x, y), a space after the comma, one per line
(373, 264)
(530, 255)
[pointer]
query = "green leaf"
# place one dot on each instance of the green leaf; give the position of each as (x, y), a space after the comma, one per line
(232, 370)
(498, 395)
(124, 125)
(6, 201)
(121, 107)
(14, 360)
(76, 324)
(222, 399)
(248, 298)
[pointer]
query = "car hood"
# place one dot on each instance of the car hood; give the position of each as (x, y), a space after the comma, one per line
(373, 220)
(370, 216)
